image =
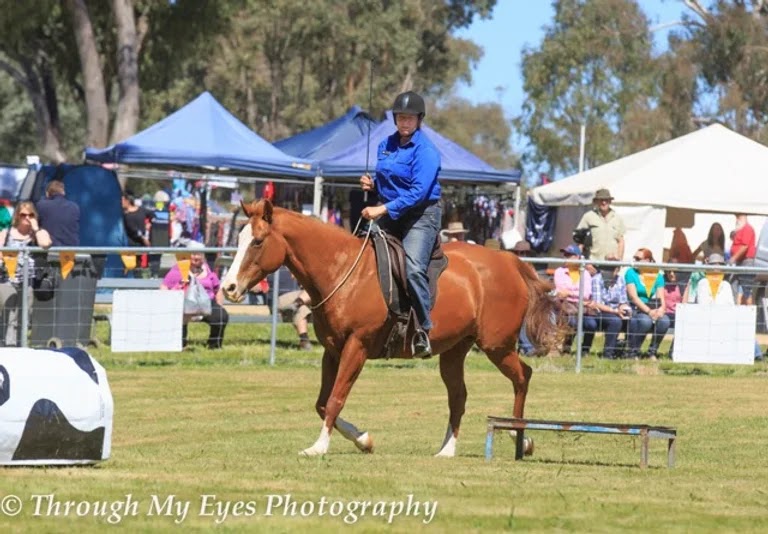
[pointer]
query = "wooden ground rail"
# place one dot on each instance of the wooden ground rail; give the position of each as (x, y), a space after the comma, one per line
(646, 432)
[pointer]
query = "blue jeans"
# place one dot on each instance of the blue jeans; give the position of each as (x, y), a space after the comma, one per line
(418, 229)
(526, 347)
(610, 324)
(639, 325)
(588, 329)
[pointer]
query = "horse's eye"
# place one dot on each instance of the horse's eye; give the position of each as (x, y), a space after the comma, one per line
(257, 242)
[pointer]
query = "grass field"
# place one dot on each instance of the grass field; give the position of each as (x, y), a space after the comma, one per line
(200, 423)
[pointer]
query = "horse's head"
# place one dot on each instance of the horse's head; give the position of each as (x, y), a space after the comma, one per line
(260, 251)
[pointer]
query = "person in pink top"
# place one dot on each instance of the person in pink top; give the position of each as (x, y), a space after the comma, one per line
(743, 249)
(566, 279)
(200, 269)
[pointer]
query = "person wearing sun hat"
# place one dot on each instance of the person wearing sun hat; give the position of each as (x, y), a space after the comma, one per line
(607, 228)
(454, 232)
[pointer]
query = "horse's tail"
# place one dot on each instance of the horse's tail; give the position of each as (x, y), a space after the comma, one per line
(544, 324)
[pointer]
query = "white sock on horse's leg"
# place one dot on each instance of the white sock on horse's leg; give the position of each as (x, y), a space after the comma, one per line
(448, 449)
(322, 444)
(361, 439)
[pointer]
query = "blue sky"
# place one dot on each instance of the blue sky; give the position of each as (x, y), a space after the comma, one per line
(519, 23)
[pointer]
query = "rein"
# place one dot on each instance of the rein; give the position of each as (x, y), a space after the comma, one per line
(346, 276)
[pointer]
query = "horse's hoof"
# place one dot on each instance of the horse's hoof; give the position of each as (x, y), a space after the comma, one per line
(364, 443)
(446, 454)
(311, 452)
(528, 446)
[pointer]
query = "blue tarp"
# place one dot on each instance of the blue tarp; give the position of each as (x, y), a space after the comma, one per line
(458, 164)
(330, 138)
(204, 134)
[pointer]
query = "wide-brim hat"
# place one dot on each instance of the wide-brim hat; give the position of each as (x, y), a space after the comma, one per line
(603, 194)
(454, 228)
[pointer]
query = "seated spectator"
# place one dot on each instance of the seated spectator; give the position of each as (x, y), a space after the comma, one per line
(454, 232)
(645, 288)
(24, 232)
(566, 279)
(712, 288)
(258, 293)
(198, 268)
(610, 303)
(298, 303)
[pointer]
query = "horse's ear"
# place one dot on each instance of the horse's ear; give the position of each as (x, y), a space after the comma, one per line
(247, 208)
(267, 214)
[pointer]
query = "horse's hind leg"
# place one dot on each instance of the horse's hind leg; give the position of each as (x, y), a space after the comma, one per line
(361, 440)
(511, 366)
(452, 373)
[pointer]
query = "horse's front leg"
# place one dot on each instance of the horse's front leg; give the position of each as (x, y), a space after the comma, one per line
(362, 440)
(348, 369)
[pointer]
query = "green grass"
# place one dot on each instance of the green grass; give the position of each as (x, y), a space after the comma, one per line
(226, 423)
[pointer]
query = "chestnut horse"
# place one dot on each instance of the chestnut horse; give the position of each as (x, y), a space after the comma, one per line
(483, 297)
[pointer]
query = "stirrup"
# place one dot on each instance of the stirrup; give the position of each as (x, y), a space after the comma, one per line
(420, 346)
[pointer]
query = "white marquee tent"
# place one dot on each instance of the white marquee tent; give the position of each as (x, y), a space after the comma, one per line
(688, 182)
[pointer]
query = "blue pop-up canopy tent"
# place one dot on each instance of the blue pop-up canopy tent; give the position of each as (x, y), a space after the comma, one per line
(458, 164)
(204, 134)
(330, 138)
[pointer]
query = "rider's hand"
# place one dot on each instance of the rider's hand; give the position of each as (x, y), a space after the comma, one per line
(374, 212)
(366, 182)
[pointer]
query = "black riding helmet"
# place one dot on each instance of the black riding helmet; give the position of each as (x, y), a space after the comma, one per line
(408, 102)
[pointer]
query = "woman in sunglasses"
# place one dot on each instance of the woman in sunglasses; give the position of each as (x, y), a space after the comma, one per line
(645, 289)
(24, 232)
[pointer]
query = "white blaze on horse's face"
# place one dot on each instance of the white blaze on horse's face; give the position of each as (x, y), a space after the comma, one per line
(229, 285)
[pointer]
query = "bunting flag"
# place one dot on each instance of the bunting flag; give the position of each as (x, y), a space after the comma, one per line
(573, 272)
(129, 261)
(67, 263)
(714, 280)
(11, 260)
(648, 277)
(182, 259)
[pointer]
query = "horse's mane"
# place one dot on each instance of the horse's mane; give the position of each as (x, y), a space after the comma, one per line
(313, 224)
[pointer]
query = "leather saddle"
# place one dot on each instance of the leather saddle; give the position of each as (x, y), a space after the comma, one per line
(390, 265)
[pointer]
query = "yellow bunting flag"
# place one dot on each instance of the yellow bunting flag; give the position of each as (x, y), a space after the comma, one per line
(67, 263)
(129, 261)
(714, 280)
(648, 277)
(183, 261)
(573, 272)
(11, 260)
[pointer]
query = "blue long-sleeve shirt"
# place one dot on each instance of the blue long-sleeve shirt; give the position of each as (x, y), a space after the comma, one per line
(407, 176)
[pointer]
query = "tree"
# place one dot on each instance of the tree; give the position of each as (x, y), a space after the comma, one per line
(593, 68)
(482, 129)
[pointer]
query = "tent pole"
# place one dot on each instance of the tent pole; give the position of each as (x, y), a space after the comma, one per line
(582, 140)
(317, 203)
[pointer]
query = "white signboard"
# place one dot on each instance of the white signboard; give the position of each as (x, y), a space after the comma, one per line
(147, 320)
(714, 334)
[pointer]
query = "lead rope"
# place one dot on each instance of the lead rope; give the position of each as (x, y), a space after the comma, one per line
(346, 276)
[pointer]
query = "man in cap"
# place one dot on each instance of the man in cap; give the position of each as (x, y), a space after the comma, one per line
(606, 226)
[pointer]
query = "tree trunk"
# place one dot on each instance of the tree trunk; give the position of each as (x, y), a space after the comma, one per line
(93, 80)
(127, 118)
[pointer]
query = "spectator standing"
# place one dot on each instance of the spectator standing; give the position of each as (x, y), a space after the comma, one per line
(24, 232)
(743, 249)
(136, 220)
(207, 278)
(59, 216)
(715, 242)
(606, 226)
(645, 289)
(454, 232)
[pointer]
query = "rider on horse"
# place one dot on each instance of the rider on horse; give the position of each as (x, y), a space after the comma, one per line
(407, 170)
